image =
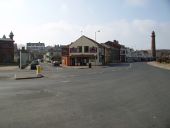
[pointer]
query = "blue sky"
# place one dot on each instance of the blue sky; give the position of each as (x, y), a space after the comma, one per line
(61, 21)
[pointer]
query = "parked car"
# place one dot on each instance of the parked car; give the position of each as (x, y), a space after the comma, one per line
(34, 64)
(56, 63)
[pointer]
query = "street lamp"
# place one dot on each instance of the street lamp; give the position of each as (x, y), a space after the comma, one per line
(96, 33)
(81, 32)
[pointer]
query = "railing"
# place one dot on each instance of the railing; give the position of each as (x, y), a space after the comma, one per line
(91, 50)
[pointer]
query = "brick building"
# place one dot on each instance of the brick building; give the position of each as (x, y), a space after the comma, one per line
(115, 51)
(7, 49)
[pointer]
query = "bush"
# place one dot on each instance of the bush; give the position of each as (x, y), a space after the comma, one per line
(163, 60)
(168, 60)
(159, 60)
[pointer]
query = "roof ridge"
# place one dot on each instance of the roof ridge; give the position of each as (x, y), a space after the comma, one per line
(92, 40)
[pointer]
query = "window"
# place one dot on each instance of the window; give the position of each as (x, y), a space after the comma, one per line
(79, 48)
(73, 50)
(86, 49)
(93, 50)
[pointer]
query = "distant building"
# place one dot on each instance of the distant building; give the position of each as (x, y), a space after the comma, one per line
(7, 49)
(115, 51)
(107, 53)
(162, 53)
(122, 53)
(53, 53)
(130, 56)
(65, 55)
(36, 50)
(16, 54)
(36, 47)
(142, 55)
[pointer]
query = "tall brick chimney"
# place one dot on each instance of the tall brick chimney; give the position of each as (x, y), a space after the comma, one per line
(153, 46)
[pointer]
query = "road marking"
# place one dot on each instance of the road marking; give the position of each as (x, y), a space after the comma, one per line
(65, 81)
(123, 68)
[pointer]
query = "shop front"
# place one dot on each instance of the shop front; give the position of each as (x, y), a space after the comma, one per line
(81, 60)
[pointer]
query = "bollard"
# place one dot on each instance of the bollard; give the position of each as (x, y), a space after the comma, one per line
(38, 71)
(89, 65)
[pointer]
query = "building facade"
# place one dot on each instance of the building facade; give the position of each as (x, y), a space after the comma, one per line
(83, 51)
(107, 53)
(115, 51)
(65, 56)
(7, 49)
(122, 53)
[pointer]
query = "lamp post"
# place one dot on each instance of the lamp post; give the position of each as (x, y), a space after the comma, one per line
(20, 62)
(81, 32)
(96, 33)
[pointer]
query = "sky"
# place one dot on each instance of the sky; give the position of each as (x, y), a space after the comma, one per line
(64, 21)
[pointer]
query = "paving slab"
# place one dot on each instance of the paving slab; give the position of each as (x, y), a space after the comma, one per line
(160, 65)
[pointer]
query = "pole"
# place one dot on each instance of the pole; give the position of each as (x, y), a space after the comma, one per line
(95, 36)
(81, 32)
(20, 60)
(96, 33)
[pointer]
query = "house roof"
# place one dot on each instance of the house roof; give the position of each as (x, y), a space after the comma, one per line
(93, 41)
(90, 40)
(105, 45)
(6, 39)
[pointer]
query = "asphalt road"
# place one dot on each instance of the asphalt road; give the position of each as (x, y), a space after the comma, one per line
(127, 96)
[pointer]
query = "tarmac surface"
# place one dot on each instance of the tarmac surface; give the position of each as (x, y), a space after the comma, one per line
(114, 96)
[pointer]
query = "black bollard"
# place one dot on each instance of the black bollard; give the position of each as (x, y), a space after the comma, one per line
(89, 65)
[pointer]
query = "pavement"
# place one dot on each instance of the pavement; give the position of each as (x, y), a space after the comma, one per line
(8, 68)
(13, 72)
(160, 65)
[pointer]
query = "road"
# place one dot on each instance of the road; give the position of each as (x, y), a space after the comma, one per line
(129, 96)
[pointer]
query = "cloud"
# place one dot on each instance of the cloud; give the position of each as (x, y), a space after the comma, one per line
(135, 34)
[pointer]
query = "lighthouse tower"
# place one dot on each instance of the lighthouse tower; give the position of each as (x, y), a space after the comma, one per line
(153, 46)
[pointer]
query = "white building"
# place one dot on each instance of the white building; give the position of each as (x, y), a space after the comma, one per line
(130, 54)
(84, 51)
(142, 55)
(39, 47)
